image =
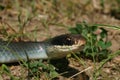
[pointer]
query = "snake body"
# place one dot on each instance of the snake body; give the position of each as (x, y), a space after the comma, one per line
(56, 47)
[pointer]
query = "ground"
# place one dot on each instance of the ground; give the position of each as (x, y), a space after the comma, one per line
(43, 19)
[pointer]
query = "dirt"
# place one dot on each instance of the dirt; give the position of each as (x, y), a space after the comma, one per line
(49, 22)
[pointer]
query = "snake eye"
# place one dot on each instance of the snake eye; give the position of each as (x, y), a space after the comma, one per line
(69, 41)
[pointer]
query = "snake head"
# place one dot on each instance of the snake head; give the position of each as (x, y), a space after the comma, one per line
(65, 44)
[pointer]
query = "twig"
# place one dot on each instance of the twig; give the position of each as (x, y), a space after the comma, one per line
(81, 72)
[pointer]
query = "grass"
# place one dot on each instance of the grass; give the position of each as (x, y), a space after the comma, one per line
(61, 14)
(95, 48)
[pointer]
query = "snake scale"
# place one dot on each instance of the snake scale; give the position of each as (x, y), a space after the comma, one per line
(54, 48)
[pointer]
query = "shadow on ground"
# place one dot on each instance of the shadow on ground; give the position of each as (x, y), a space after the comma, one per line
(66, 71)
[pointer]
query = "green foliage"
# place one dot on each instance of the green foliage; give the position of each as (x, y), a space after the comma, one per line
(4, 69)
(118, 1)
(96, 45)
(37, 68)
(2, 7)
(102, 3)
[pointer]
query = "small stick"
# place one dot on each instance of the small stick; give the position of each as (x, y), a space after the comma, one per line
(81, 72)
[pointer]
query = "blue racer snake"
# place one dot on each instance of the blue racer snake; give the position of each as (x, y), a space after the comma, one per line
(54, 48)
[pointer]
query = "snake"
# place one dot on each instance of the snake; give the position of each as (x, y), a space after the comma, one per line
(54, 48)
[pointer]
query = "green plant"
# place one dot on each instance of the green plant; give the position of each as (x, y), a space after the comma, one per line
(96, 44)
(95, 47)
(5, 70)
(38, 68)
